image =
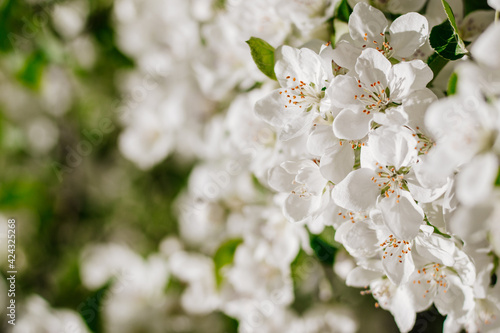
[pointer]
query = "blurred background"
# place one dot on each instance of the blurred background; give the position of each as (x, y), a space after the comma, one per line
(116, 118)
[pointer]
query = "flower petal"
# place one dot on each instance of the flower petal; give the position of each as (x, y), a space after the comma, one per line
(298, 208)
(397, 264)
(487, 47)
(361, 277)
(351, 125)
(321, 139)
(372, 66)
(408, 33)
(367, 21)
(345, 54)
(337, 162)
(356, 192)
(393, 146)
(280, 180)
(407, 77)
(403, 218)
(302, 64)
(475, 181)
(342, 91)
(403, 310)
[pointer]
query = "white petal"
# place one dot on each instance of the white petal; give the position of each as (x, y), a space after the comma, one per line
(280, 180)
(393, 146)
(297, 126)
(423, 194)
(345, 54)
(351, 125)
(408, 76)
(403, 218)
(337, 162)
(416, 105)
(436, 248)
(403, 310)
(368, 21)
(392, 117)
(408, 33)
(271, 109)
(457, 299)
(342, 91)
(475, 181)
(372, 66)
(297, 208)
(495, 4)
(486, 49)
(461, 225)
(294, 166)
(302, 64)
(321, 139)
(311, 177)
(360, 277)
(356, 192)
(397, 269)
(359, 239)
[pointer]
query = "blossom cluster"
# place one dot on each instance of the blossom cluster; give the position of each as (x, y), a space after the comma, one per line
(406, 179)
(359, 157)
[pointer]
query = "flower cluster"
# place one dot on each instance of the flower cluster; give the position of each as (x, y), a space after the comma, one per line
(406, 179)
(364, 154)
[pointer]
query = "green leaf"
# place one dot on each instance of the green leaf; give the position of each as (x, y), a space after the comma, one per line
(445, 38)
(324, 245)
(452, 84)
(446, 42)
(263, 56)
(493, 277)
(343, 11)
(224, 256)
(31, 73)
(497, 181)
(450, 15)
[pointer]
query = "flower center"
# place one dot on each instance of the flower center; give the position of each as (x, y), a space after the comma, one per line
(375, 97)
(424, 144)
(393, 247)
(385, 48)
(434, 278)
(390, 180)
(302, 95)
(352, 216)
(302, 191)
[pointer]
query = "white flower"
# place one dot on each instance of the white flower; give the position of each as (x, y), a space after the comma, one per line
(147, 141)
(303, 78)
(376, 87)
(39, 317)
(462, 127)
(380, 182)
(336, 157)
(197, 271)
(253, 277)
(368, 28)
(306, 187)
